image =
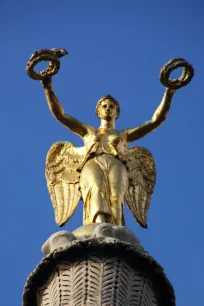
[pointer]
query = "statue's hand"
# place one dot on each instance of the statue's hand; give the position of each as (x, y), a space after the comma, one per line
(46, 82)
(170, 90)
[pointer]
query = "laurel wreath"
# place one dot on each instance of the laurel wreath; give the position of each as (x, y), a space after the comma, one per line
(43, 55)
(185, 78)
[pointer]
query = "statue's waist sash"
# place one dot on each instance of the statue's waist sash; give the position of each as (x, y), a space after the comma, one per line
(99, 148)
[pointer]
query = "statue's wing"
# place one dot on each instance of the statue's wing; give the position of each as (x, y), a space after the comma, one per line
(62, 162)
(142, 178)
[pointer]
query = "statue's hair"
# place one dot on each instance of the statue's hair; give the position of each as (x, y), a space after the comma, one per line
(109, 97)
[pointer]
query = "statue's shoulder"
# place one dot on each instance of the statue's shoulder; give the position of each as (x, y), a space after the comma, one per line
(123, 135)
(90, 130)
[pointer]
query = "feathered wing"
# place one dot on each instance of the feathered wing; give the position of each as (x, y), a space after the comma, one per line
(142, 178)
(62, 162)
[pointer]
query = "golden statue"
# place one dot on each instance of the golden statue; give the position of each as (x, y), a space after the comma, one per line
(105, 173)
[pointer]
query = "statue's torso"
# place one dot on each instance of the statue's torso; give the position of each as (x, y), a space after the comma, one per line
(105, 141)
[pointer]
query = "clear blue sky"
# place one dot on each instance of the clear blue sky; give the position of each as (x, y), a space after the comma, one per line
(115, 47)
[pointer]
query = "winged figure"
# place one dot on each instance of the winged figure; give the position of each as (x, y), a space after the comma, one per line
(64, 164)
(105, 173)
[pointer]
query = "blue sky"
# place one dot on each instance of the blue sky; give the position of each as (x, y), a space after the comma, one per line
(115, 47)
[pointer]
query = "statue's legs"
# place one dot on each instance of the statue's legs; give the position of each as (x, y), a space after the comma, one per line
(93, 185)
(103, 184)
(118, 183)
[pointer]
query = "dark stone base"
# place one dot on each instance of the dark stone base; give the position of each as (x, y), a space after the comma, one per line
(97, 271)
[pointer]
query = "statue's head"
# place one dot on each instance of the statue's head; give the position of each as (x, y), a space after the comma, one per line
(108, 108)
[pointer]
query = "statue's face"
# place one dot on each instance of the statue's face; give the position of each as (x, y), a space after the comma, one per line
(107, 110)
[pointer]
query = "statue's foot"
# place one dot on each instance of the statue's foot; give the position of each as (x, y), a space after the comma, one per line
(102, 218)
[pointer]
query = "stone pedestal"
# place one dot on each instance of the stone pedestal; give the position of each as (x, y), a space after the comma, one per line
(98, 264)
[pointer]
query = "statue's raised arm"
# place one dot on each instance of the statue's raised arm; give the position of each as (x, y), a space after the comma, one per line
(57, 111)
(53, 55)
(158, 117)
(162, 111)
